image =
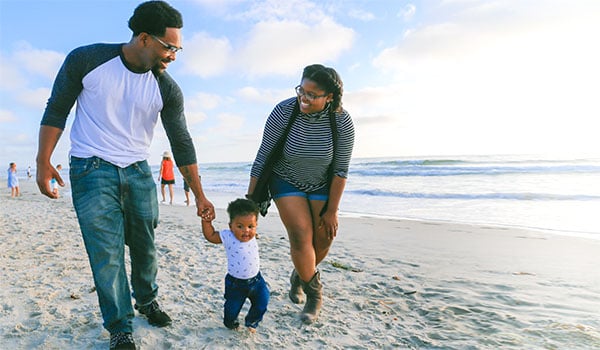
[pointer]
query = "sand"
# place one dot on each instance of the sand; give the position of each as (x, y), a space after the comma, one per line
(387, 284)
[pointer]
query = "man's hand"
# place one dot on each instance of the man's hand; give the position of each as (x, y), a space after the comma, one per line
(48, 138)
(44, 173)
(205, 209)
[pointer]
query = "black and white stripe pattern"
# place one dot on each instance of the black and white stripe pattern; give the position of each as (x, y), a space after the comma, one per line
(308, 150)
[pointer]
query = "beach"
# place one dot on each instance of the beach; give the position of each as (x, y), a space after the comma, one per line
(388, 283)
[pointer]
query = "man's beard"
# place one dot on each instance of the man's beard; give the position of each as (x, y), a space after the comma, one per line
(157, 70)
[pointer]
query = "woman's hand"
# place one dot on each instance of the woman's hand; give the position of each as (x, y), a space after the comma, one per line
(329, 222)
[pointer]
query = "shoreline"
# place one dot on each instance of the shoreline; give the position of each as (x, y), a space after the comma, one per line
(576, 234)
(222, 200)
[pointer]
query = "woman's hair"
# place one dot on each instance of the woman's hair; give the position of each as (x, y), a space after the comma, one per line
(241, 207)
(154, 17)
(329, 80)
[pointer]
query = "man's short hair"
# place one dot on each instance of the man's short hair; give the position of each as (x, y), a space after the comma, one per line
(154, 17)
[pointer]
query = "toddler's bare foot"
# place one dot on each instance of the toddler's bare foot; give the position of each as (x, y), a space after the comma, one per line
(251, 330)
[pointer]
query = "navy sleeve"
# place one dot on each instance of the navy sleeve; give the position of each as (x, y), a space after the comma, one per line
(68, 83)
(173, 120)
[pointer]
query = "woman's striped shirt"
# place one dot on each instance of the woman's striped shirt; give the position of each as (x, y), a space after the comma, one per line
(308, 150)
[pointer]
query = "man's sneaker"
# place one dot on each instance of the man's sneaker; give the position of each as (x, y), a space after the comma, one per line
(154, 314)
(121, 340)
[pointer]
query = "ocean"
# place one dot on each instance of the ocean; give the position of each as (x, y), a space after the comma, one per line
(547, 194)
(560, 196)
(555, 195)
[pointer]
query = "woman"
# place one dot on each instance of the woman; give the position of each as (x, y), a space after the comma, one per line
(166, 176)
(13, 180)
(309, 175)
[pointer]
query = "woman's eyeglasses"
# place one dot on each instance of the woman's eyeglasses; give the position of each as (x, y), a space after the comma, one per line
(308, 95)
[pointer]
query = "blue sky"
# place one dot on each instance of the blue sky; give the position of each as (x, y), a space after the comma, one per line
(422, 78)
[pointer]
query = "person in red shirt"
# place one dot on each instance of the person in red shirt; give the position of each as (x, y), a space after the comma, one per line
(166, 176)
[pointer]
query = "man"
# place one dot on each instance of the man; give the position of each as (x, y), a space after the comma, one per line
(120, 90)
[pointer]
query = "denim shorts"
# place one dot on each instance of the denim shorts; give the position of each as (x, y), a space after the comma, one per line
(281, 188)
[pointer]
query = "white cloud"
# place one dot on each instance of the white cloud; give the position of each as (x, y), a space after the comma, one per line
(277, 10)
(20, 141)
(288, 45)
(272, 42)
(228, 122)
(479, 80)
(379, 117)
(7, 116)
(43, 62)
(206, 56)
(11, 77)
(374, 101)
(22, 138)
(286, 34)
(267, 96)
(408, 12)
(193, 116)
(196, 106)
(202, 100)
(218, 4)
(361, 15)
(249, 93)
(36, 98)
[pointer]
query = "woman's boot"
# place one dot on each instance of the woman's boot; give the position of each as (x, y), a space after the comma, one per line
(313, 290)
(296, 294)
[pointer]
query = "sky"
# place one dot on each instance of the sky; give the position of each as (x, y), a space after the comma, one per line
(421, 78)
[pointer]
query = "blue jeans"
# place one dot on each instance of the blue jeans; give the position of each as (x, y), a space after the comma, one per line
(117, 206)
(236, 292)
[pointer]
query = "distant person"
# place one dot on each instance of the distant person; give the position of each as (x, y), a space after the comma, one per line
(186, 191)
(243, 280)
(28, 172)
(166, 176)
(121, 90)
(13, 180)
(308, 176)
(54, 183)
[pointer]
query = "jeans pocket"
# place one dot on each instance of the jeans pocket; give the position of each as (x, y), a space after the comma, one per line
(80, 167)
(143, 168)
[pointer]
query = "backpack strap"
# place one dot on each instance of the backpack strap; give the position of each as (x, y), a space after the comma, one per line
(334, 137)
(261, 194)
(278, 150)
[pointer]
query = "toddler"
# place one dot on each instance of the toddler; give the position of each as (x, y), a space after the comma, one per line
(243, 280)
